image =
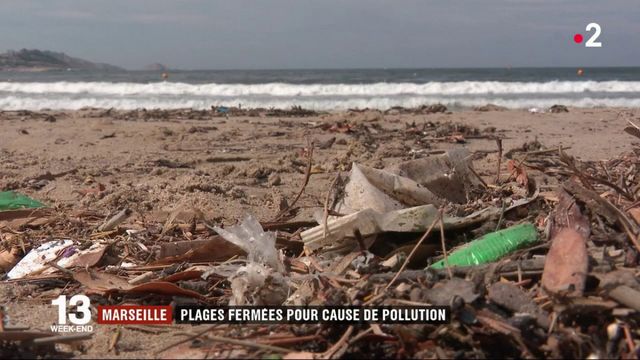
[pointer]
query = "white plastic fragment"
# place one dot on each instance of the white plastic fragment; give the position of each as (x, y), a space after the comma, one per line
(79, 257)
(435, 180)
(36, 260)
(260, 281)
(67, 255)
(250, 237)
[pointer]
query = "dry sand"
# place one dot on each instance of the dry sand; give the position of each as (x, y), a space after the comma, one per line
(226, 167)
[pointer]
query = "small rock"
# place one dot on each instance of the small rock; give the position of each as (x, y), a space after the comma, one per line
(274, 179)
(489, 107)
(443, 293)
(558, 109)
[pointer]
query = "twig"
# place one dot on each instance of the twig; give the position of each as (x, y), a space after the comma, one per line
(628, 338)
(307, 176)
(325, 217)
(114, 339)
(535, 265)
(53, 263)
(290, 340)
(444, 247)
(545, 151)
(193, 336)
(247, 343)
(406, 261)
(499, 142)
(62, 339)
(504, 204)
(338, 345)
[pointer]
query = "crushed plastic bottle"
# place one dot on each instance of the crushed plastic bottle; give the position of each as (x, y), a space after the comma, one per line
(491, 247)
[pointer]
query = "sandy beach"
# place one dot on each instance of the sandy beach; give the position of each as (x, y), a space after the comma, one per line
(187, 162)
(223, 166)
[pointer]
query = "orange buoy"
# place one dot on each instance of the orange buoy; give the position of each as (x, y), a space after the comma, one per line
(580, 72)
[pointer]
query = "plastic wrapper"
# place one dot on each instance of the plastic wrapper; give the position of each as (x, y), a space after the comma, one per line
(11, 200)
(260, 281)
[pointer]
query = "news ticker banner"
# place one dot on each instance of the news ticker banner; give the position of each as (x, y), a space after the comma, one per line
(133, 314)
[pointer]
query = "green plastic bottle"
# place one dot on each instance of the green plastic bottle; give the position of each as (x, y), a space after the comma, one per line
(491, 247)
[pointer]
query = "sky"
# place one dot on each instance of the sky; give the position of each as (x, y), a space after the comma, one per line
(287, 34)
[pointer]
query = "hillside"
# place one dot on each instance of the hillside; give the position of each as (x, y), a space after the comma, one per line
(42, 60)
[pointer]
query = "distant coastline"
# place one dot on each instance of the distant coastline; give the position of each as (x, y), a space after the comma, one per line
(33, 60)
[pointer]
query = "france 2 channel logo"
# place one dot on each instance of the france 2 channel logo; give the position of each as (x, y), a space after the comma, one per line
(592, 42)
(79, 319)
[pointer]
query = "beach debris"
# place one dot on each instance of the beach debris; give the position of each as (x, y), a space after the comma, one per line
(491, 247)
(423, 109)
(34, 343)
(11, 200)
(213, 249)
(105, 284)
(445, 293)
(515, 299)
(569, 290)
(115, 220)
(367, 222)
(37, 259)
(518, 172)
(83, 258)
(61, 253)
(567, 263)
(261, 280)
(429, 180)
(627, 296)
(633, 129)
(9, 258)
(558, 109)
(490, 107)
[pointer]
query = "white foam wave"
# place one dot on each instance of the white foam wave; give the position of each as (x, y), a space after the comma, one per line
(382, 103)
(315, 90)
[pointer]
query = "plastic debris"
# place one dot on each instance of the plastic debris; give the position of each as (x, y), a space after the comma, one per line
(260, 281)
(430, 180)
(369, 222)
(491, 247)
(68, 255)
(36, 260)
(11, 200)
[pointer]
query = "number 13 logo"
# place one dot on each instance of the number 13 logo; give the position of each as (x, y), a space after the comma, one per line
(81, 302)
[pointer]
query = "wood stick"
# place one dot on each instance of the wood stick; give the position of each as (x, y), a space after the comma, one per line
(499, 142)
(307, 176)
(404, 265)
(325, 216)
(444, 247)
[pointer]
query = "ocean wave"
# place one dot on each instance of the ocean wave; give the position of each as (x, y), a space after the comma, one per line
(25, 102)
(321, 90)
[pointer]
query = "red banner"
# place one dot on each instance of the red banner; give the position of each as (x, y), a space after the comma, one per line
(135, 314)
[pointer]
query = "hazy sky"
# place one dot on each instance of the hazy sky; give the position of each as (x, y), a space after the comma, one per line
(238, 34)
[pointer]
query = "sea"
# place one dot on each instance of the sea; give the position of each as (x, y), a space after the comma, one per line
(516, 88)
